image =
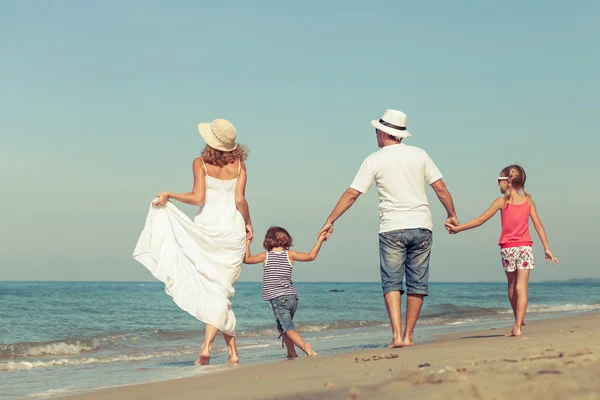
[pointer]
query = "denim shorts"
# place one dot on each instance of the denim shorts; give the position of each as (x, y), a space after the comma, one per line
(284, 307)
(405, 252)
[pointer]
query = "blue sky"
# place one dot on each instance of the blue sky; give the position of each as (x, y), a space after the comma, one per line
(100, 102)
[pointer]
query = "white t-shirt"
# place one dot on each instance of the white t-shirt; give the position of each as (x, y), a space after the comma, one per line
(400, 172)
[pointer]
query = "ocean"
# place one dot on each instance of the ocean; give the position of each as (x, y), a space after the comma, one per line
(59, 338)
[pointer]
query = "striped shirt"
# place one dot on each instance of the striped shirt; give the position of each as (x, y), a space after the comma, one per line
(277, 276)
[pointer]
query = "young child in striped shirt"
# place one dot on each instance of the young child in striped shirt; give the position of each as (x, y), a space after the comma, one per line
(278, 288)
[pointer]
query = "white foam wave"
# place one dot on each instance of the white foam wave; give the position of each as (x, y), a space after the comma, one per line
(25, 365)
(50, 349)
(548, 308)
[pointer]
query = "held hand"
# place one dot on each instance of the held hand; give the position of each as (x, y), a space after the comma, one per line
(322, 237)
(161, 199)
(550, 257)
(451, 222)
(452, 229)
(249, 232)
(326, 230)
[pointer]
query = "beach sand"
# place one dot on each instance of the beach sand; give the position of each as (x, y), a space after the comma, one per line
(556, 359)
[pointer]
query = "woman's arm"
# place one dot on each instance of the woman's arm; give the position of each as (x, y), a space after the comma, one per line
(483, 218)
(539, 228)
(240, 199)
(250, 259)
(196, 197)
(312, 254)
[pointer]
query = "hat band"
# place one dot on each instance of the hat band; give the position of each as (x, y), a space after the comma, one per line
(400, 128)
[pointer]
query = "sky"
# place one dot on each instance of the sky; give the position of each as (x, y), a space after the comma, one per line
(100, 101)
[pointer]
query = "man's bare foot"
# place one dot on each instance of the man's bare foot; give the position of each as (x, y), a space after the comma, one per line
(203, 357)
(396, 344)
(309, 350)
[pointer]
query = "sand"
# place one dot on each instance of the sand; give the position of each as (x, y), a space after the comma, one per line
(556, 359)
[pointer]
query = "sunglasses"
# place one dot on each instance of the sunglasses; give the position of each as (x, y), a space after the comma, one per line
(502, 178)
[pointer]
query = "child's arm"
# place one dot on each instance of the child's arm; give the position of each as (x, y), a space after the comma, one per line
(250, 259)
(474, 223)
(312, 254)
(539, 227)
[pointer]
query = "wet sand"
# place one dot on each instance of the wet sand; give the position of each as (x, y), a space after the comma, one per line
(555, 359)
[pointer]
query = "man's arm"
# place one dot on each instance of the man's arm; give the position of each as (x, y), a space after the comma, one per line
(442, 192)
(345, 202)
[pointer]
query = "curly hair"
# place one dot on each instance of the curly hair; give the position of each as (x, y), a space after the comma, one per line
(222, 158)
(277, 237)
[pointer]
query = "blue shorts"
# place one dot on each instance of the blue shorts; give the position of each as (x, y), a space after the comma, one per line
(405, 252)
(284, 307)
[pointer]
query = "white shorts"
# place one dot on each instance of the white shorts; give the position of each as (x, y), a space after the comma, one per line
(514, 258)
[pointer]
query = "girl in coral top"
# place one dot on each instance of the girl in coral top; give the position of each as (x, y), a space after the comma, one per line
(515, 241)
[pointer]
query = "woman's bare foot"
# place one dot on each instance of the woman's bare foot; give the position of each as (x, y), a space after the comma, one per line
(309, 350)
(406, 342)
(233, 356)
(204, 356)
(234, 362)
(292, 355)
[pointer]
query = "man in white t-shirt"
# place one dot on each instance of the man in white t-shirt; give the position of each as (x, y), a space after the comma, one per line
(405, 232)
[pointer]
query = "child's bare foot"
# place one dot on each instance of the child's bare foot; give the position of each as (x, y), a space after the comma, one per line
(514, 333)
(203, 357)
(309, 350)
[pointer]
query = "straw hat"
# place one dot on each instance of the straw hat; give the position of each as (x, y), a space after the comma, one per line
(393, 123)
(219, 134)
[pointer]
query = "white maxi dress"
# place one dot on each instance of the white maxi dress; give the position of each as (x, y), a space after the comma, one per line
(199, 260)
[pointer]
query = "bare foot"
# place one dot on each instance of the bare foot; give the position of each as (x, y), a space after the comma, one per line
(203, 357)
(407, 342)
(234, 362)
(309, 350)
(292, 355)
(514, 333)
(396, 344)
(233, 356)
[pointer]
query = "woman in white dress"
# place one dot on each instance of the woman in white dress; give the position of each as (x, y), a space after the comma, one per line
(200, 260)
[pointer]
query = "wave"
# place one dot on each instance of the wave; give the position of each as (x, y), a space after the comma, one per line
(558, 308)
(23, 365)
(68, 347)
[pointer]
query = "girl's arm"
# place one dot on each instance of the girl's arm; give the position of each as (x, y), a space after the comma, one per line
(539, 227)
(250, 259)
(312, 254)
(240, 200)
(474, 223)
(196, 197)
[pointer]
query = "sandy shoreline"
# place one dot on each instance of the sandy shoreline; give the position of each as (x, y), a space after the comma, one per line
(556, 359)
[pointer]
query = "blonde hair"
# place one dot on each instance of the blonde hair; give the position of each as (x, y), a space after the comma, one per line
(220, 158)
(516, 180)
